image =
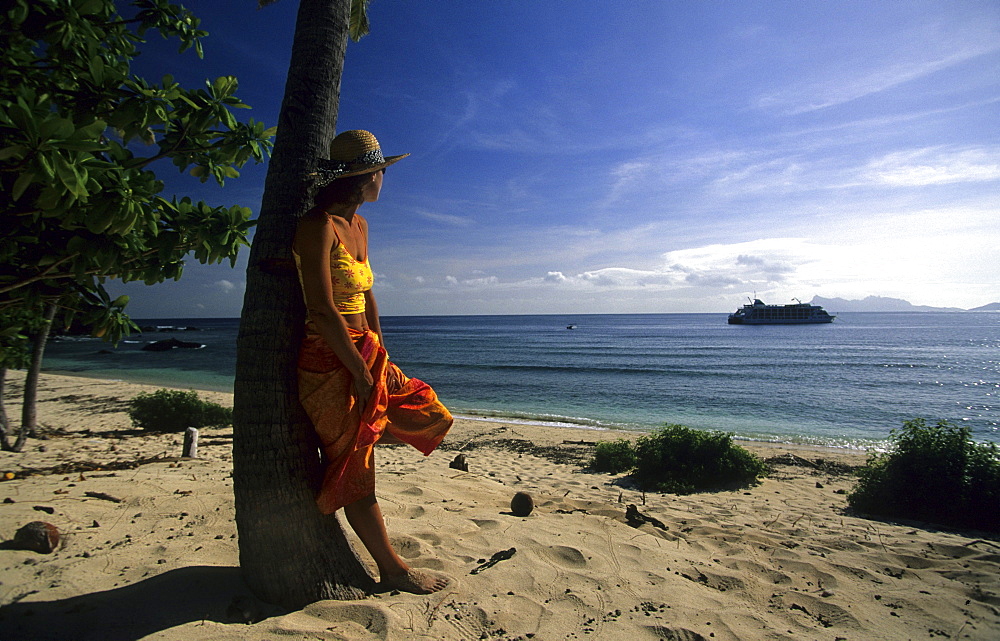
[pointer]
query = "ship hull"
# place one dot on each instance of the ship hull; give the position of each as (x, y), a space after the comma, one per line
(760, 314)
(764, 321)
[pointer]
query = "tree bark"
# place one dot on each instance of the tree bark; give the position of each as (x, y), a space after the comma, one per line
(290, 553)
(29, 407)
(4, 423)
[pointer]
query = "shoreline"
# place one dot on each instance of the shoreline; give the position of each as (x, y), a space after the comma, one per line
(514, 420)
(783, 559)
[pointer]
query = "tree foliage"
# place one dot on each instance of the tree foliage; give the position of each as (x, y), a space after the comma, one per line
(79, 137)
(933, 473)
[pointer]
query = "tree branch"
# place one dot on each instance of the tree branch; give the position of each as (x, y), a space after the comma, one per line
(46, 275)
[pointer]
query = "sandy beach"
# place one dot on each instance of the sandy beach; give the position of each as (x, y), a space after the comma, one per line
(149, 547)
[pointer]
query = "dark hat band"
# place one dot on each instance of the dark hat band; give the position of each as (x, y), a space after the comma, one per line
(367, 159)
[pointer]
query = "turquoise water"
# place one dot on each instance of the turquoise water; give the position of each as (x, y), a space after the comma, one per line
(844, 384)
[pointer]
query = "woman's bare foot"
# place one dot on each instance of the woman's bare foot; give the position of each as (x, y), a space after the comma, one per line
(415, 581)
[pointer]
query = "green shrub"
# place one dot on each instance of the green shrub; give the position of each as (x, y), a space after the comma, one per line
(174, 411)
(937, 474)
(614, 457)
(681, 460)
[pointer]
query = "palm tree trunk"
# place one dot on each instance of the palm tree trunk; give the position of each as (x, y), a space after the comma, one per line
(290, 553)
(29, 407)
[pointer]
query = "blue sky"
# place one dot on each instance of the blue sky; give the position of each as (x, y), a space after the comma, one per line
(600, 157)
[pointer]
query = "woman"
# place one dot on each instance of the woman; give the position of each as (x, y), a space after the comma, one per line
(353, 394)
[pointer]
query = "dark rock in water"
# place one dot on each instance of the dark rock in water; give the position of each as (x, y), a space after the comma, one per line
(105, 351)
(522, 504)
(169, 344)
(38, 536)
(459, 463)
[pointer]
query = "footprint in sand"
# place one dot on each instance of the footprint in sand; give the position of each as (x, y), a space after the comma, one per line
(720, 582)
(824, 613)
(754, 569)
(565, 556)
(430, 537)
(406, 546)
(349, 621)
(486, 524)
(674, 634)
(414, 512)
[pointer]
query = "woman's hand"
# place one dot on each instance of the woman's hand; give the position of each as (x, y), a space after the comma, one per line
(363, 386)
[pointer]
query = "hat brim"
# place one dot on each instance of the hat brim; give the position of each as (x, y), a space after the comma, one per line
(324, 175)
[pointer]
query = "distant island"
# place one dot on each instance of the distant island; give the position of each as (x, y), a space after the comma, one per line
(884, 304)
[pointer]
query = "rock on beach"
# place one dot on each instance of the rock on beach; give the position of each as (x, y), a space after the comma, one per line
(37, 536)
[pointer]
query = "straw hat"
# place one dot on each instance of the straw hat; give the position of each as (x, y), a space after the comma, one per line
(351, 153)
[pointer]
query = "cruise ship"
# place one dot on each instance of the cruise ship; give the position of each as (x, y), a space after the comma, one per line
(800, 313)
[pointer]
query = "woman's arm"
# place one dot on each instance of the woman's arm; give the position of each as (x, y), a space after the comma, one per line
(314, 240)
(371, 315)
(371, 307)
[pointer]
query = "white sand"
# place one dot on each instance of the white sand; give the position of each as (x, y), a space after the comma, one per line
(781, 560)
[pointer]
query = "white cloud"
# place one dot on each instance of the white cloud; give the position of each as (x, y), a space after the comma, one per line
(625, 177)
(472, 283)
(935, 166)
(447, 219)
(837, 86)
(223, 285)
(782, 268)
(555, 277)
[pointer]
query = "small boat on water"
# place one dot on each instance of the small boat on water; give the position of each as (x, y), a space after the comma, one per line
(800, 313)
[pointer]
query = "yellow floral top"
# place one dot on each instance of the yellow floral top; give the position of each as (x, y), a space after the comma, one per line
(349, 277)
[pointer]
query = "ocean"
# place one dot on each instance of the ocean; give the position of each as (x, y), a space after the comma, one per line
(845, 384)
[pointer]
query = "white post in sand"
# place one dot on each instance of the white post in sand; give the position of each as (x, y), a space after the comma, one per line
(190, 443)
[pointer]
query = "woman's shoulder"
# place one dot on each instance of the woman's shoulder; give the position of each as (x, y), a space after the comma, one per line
(363, 224)
(315, 216)
(313, 228)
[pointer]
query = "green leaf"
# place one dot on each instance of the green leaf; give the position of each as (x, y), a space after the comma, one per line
(79, 145)
(14, 151)
(21, 184)
(89, 7)
(56, 128)
(43, 163)
(224, 86)
(96, 68)
(93, 131)
(98, 221)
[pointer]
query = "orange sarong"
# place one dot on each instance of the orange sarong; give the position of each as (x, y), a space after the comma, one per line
(405, 407)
